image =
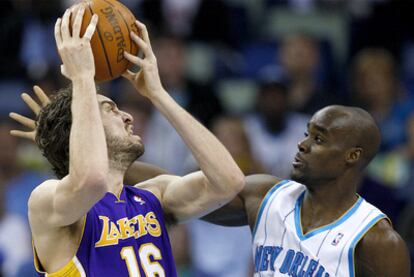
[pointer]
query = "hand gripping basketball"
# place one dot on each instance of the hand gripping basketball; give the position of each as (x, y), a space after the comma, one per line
(75, 51)
(146, 80)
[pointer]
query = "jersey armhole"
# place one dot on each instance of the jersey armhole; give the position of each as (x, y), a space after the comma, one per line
(361, 234)
(68, 267)
(264, 202)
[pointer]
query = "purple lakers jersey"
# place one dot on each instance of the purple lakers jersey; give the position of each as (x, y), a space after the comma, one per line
(123, 236)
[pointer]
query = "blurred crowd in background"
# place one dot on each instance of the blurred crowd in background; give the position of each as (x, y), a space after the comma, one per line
(253, 71)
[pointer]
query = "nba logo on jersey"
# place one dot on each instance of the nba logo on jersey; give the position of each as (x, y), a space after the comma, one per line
(337, 239)
(139, 200)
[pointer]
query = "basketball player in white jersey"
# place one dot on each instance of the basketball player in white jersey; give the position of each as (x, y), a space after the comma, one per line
(315, 225)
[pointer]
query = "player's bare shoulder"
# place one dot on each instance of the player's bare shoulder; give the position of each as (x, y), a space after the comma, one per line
(40, 203)
(255, 190)
(382, 252)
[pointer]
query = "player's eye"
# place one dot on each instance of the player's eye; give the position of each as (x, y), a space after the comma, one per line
(318, 139)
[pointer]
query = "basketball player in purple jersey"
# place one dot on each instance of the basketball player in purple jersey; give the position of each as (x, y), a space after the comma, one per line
(87, 223)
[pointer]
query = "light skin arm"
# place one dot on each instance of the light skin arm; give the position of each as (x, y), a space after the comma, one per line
(220, 178)
(243, 209)
(51, 204)
(382, 253)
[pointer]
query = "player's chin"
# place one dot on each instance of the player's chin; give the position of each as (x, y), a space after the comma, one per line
(297, 175)
(136, 147)
(136, 140)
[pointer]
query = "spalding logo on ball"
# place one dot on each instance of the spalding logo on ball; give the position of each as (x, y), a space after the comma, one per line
(111, 37)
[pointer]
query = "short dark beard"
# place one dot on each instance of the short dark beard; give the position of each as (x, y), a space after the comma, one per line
(122, 154)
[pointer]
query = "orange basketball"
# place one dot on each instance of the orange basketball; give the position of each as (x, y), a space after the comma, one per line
(111, 37)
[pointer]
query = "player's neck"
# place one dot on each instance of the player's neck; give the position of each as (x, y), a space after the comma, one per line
(322, 206)
(331, 196)
(334, 193)
(115, 179)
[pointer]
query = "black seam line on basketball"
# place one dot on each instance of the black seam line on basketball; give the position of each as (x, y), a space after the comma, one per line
(126, 24)
(102, 44)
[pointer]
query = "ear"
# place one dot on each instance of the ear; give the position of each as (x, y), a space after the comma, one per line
(353, 155)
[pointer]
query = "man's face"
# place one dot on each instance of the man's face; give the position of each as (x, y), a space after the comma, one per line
(118, 127)
(322, 153)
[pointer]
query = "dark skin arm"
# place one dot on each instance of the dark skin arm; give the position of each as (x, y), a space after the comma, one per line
(382, 253)
(243, 209)
(139, 172)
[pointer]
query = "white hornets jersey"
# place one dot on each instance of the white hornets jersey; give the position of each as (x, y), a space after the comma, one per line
(281, 249)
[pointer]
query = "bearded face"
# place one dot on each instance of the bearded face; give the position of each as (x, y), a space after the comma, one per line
(123, 146)
(123, 151)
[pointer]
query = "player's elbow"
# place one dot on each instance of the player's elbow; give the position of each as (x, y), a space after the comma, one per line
(238, 182)
(234, 184)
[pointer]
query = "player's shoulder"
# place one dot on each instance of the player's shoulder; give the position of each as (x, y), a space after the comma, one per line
(41, 193)
(382, 252)
(382, 237)
(40, 202)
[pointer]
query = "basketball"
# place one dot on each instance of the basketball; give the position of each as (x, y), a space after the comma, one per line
(111, 37)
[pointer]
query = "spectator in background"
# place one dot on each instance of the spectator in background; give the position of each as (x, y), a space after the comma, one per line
(406, 155)
(232, 133)
(203, 20)
(300, 58)
(377, 88)
(15, 247)
(12, 14)
(200, 99)
(38, 49)
(164, 146)
(233, 243)
(273, 129)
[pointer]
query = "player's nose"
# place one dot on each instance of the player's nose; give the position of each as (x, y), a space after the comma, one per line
(302, 146)
(127, 118)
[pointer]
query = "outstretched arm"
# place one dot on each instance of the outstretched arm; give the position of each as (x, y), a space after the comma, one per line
(382, 253)
(243, 209)
(140, 171)
(220, 178)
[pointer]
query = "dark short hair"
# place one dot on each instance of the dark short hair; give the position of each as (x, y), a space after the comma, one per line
(53, 130)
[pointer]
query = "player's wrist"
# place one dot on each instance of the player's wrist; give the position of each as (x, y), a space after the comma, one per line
(83, 77)
(158, 95)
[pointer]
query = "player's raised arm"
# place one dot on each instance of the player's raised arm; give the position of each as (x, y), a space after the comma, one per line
(220, 178)
(57, 203)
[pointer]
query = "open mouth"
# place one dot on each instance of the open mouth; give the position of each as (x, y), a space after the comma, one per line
(297, 162)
